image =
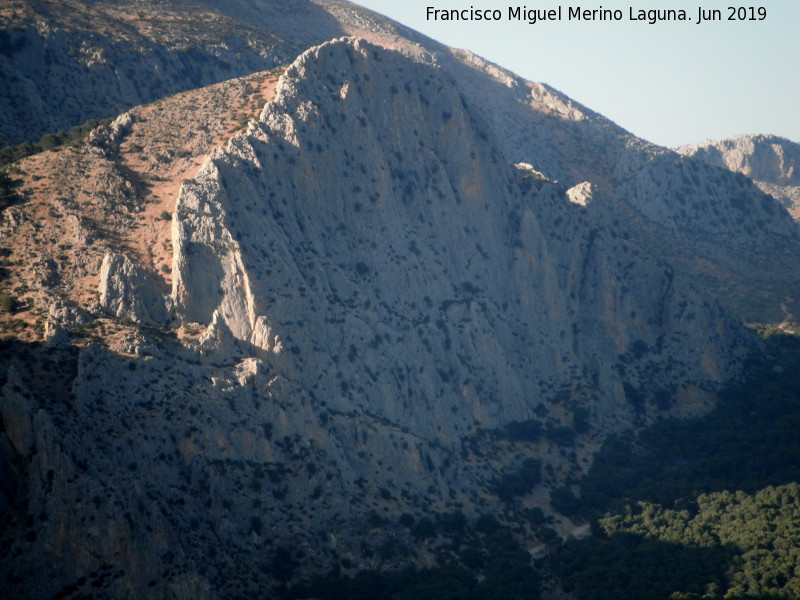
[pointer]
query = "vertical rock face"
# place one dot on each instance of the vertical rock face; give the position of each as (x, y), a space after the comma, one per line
(714, 226)
(128, 292)
(404, 254)
(379, 285)
(56, 58)
(368, 222)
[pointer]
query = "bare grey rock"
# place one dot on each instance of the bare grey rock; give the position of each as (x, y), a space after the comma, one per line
(55, 334)
(761, 157)
(329, 238)
(372, 284)
(107, 135)
(218, 338)
(120, 126)
(582, 193)
(137, 344)
(16, 411)
(128, 292)
(68, 315)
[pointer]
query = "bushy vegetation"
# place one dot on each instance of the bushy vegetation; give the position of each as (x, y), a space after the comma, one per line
(721, 545)
(8, 191)
(698, 509)
(519, 481)
(524, 431)
(49, 141)
(7, 303)
(483, 562)
(563, 500)
(748, 442)
(707, 508)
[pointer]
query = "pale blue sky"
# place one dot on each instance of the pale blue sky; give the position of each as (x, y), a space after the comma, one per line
(670, 83)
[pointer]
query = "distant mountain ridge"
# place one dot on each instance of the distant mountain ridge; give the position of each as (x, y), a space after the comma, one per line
(63, 62)
(772, 162)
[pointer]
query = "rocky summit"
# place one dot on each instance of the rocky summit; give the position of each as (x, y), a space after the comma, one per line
(268, 328)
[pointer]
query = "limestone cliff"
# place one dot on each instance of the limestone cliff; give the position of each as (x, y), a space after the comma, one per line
(368, 183)
(251, 325)
(369, 293)
(66, 61)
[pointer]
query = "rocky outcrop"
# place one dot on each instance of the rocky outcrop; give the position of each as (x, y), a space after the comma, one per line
(113, 133)
(581, 194)
(68, 315)
(531, 122)
(288, 216)
(129, 292)
(713, 227)
(760, 157)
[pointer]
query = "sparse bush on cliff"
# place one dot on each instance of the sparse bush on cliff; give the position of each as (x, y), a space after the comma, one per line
(7, 303)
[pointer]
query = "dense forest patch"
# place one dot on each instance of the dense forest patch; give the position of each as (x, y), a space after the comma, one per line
(707, 508)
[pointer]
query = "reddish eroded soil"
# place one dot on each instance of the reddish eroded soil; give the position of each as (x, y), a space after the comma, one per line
(81, 201)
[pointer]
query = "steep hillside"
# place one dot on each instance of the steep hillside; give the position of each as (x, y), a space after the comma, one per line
(367, 301)
(716, 228)
(64, 61)
(772, 162)
(68, 61)
(339, 310)
(115, 191)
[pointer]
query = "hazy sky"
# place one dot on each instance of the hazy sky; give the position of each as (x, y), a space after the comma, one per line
(671, 82)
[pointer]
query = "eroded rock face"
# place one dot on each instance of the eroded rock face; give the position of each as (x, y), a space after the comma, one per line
(128, 292)
(340, 193)
(581, 194)
(749, 264)
(378, 285)
(760, 157)
(386, 264)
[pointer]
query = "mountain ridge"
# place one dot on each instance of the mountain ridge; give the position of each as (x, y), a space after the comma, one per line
(772, 162)
(257, 322)
(66, 62)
